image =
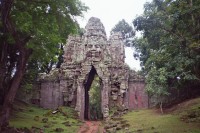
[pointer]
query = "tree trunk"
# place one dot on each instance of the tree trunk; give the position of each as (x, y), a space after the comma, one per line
(3, 57)
(24, 54)
(161, 108)
(20, 69)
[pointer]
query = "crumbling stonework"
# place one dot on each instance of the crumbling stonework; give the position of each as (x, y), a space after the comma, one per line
(137, 98)
(85, 56)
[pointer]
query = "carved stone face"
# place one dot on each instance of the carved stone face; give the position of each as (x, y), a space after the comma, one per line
(94, 52)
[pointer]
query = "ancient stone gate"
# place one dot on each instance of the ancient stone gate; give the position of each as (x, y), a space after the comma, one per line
(85, 56)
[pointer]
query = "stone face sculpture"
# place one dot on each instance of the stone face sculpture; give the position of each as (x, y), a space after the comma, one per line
(84, 57)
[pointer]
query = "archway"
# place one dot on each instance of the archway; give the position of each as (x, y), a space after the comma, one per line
(92, 83)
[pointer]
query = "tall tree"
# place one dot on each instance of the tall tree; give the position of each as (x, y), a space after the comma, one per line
(31, 30)
(126, 30)
(169, 48)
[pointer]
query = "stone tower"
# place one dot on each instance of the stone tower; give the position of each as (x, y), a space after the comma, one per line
(84, 57)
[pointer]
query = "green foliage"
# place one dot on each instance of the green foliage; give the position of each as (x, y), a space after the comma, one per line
(169, 48)
(126, 30)
(95, 99)
(157, 83)
(48, 23)
(43, 27)
(29, 77)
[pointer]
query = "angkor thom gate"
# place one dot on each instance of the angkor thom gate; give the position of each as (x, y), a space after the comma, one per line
(83, 58)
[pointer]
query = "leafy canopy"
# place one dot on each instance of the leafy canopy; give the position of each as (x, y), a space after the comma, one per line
(47, 22)
(126, 30)
(169, 48)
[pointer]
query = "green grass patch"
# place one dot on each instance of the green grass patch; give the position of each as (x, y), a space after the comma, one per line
(36, 118)
(150, 121)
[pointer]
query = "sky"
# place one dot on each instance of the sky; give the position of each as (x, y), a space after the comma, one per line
(110, 12)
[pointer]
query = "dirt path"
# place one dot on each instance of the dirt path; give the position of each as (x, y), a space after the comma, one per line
(91, 127)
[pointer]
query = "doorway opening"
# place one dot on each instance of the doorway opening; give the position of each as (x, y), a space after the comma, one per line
(93, 87)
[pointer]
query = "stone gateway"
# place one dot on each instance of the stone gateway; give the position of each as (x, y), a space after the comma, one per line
(84, 57)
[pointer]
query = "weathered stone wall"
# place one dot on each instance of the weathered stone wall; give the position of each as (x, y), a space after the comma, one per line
(83, 58)
(50, 95)
(138, 99)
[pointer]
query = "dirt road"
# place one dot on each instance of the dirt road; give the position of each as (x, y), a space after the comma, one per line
(91, 127)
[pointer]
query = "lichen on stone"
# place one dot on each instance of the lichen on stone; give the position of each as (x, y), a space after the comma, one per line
(91, 52)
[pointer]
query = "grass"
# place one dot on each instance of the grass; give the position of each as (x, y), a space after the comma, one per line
(176, 119)
(32, 117)
(150, 121)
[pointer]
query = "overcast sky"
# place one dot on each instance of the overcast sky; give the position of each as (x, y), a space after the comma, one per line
(111, 12)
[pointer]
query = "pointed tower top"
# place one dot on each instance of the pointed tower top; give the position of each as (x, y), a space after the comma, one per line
(94, 27)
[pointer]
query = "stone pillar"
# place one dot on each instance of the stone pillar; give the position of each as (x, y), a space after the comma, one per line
(64, 92)
(80, 102)
(105, 98)
(123, 92)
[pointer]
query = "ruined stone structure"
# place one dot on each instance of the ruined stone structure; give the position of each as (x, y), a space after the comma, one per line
(84, 57)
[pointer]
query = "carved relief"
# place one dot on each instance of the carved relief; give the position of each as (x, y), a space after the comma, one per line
(81, 55)
(93, 52)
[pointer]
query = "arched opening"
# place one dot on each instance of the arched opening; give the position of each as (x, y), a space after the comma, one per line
(93, 87)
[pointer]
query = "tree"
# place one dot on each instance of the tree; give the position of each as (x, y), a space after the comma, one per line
(126, 31)
(31, 31)
(169, 48)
